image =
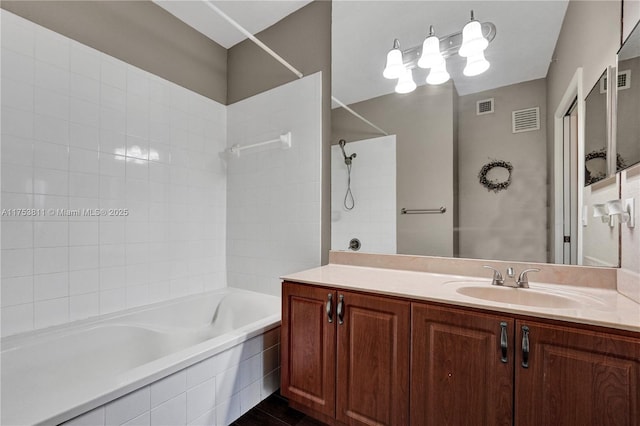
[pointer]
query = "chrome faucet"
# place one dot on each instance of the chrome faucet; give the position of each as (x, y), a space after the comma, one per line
(497, 276)
(521, 282)
(523, 278)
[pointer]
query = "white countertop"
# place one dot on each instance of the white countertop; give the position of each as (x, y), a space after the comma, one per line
(584, 305)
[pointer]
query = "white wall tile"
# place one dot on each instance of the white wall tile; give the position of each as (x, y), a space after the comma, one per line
(50, 259)
(51, 103)
(51, 312)
(112, 300)
(201, 398)
(17, 34)
(169, 387)
(51, 182)
(228, 411)
(128, 407)
(83, 233)
(17, 262)
(17, 68)
(84, 306)
(84, 257)
(84, 60)
(84, 281)
(18, 95)
(52, 48)
(50, 286)
(50, 233)
(84, 185)
(17, 291)
(51, 156)
(50, 129)
(16, 235)
(113, 72)
(84, 136)
(142, 420)
(52, 78)
(17, 178)
(207, 419)
(17, 318)
(169, 413)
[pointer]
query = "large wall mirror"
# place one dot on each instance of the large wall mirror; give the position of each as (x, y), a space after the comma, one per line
(471, 158)
(628, 102)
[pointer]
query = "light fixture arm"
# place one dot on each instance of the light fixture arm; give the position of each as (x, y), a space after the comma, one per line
(449, 45)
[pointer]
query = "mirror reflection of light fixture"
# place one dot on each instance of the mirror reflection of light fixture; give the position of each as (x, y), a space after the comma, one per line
(395, 67)
(469, 43)
(476, 65)
(405, 82)
(438, 74)
(473, 42)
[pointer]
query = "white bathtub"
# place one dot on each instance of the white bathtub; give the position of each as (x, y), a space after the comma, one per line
(51, 376)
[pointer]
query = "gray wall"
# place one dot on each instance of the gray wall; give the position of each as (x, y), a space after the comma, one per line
(304, 40)
(510, 224)
(424, 123)
(579, 45)
(140, 33)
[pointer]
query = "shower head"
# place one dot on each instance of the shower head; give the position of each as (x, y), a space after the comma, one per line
(347, 159)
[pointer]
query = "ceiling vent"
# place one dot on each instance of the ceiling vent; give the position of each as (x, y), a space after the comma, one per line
(484, 106)
(624, 81)
(525, 120)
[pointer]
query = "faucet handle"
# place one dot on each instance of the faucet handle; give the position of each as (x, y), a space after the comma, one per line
(523, 279)
(497, 276)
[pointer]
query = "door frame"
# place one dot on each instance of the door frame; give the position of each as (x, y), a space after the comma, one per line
(573, 91)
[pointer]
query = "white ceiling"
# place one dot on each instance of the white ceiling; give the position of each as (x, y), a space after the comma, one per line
(253, 15)
(363, 32)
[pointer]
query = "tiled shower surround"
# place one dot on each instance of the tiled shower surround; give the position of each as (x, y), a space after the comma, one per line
(114, 185)
(113, 192)
(273, 194)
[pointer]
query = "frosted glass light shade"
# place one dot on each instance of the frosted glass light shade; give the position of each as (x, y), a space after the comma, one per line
(438, 74)
(431, 55)
(476, 65)
(473, 42)
(395, 68)
(406, 83)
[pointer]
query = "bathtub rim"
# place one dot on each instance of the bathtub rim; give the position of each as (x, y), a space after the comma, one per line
(155, 370)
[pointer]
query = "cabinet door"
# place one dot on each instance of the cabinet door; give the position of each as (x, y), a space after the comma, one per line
(459, 373)
(373, 361)
(308, 348)
(576, 377)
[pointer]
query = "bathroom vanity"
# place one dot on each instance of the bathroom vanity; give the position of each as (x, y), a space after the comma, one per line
(377, 346)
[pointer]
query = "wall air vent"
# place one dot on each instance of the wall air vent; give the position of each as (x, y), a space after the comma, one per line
(624, 81)
(484, 106)
(525, 120)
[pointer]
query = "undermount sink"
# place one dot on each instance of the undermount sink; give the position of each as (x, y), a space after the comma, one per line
(519, 296)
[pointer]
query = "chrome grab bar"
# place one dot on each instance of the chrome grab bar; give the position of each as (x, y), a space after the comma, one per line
(423, 211)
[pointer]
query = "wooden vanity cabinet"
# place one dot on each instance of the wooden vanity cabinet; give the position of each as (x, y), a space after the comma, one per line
(575, 377)
(396, 362)
(347, 363)
(461, 367)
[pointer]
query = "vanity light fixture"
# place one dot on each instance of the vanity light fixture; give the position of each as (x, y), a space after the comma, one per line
(469, 43)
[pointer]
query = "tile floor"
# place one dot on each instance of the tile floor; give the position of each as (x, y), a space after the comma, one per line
(274, 411)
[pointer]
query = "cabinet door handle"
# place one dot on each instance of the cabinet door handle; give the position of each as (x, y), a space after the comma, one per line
(503, 341)
(329, 307)
(525, 346)
(340, 309)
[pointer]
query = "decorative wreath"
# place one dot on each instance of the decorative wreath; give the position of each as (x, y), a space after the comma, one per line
(590, 178)
(491, 185)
